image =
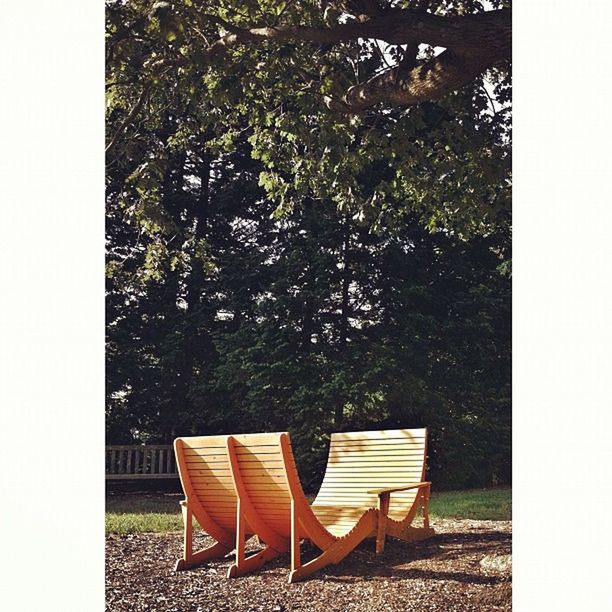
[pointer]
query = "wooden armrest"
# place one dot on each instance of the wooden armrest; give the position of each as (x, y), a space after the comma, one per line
(418, 485)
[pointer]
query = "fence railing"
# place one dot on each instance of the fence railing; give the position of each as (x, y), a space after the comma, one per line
(127, 462)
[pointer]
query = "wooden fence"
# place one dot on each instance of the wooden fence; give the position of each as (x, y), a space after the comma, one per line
(124, 462)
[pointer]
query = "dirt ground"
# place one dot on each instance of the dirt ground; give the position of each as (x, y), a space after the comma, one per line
(442, 573)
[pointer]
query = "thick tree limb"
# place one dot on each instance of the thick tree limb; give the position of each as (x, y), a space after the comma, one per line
(473, 43)
(412, 48)
(471, 33)
(429, 81)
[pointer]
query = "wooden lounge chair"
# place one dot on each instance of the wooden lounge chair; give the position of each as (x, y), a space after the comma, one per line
(237, 486)
(210, 497)
(206, 472)
(272, 502)
(384, 469)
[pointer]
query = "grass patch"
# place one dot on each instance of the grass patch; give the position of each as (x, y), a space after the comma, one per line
(478, 504)
(160, 512)
(143, 513)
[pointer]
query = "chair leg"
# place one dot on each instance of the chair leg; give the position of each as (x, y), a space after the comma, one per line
(405, 531)
(338, 550)
(254, 562)
(243, 564)
(240, 535)
(187, 537)
(191, 559)
(424, 502)
(325, 558)
(334, 554)
(414, 534)
(216, 551)
(383, 510)
(295, 540)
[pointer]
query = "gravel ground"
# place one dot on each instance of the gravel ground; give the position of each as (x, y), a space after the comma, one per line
(442, 573)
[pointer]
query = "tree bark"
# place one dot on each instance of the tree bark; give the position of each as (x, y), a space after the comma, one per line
(491, 30)
(429, 81)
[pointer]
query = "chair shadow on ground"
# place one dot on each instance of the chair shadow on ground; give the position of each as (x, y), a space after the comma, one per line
(446, 548)
(394, 563)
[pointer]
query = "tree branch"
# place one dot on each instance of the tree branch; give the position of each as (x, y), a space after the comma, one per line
(130, 116)
(471, 33)
(429, 81)
(157, 67)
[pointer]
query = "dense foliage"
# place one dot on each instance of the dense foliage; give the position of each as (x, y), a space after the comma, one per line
(275, 266)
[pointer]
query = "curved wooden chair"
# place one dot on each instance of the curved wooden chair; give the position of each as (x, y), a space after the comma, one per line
(384, 469)
(272, 502)
(243, 485)
(208, 477)
(210, 497)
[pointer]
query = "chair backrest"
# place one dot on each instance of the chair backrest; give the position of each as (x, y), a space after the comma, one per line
(206, 476)
(267, 480)
(364, 460)
(261, 480)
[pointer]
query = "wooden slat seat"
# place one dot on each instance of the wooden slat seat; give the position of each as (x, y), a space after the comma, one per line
(363, 465)
(338, 520)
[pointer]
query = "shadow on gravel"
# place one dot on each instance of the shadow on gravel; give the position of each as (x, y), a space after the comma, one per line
(448, 546)
(364, 564)
(414, 574)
